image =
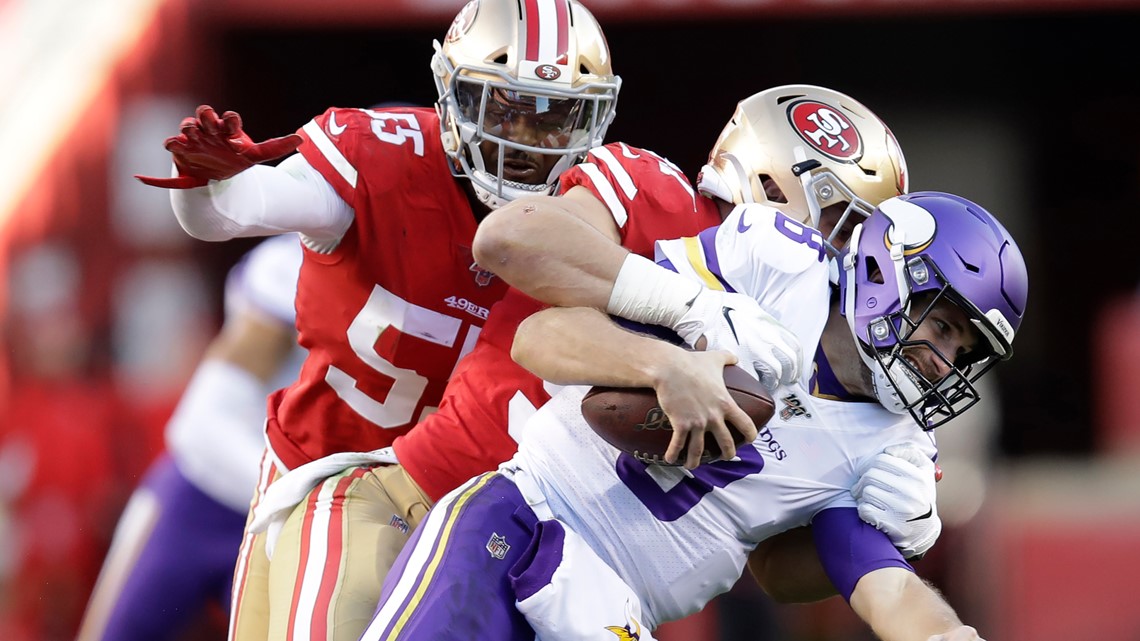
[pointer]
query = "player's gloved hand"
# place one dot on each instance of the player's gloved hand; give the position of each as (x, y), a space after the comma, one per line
(692, 393)
(212, 148)
(896, 494)
(737, 323)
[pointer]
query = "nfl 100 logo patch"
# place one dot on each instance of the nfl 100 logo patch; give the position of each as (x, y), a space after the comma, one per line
(793, 407)
(498, 546)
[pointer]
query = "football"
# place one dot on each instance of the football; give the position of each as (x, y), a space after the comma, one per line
(630, 419)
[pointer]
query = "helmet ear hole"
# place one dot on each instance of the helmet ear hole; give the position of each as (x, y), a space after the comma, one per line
(771, 190)
(874, 274)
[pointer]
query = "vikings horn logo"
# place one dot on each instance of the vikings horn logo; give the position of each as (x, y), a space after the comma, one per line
(911, 225)
(631, 631)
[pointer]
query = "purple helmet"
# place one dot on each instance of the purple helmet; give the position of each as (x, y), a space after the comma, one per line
(954, 249)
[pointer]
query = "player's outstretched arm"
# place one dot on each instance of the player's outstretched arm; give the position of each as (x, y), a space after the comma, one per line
(220, 191)
(211, 147)
(899, 606)
(578, 345)
(563, 250)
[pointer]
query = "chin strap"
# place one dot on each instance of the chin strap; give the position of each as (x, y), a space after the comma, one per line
(898, 262)
(892, 390)
(802, 168)
(488, 198)
(711, 184)
(493, 191)
(495, 200)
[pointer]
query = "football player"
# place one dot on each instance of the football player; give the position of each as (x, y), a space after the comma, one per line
(176, 543)
(931, 291)
(389, 296)
(468, 435)
(815, 154)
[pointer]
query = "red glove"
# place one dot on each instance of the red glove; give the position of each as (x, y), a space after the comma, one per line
(213, 148)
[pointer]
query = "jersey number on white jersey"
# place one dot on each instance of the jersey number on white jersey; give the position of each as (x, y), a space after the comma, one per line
(673, 502)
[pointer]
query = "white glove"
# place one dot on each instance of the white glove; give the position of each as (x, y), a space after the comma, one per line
(896, 494)
(737, 323)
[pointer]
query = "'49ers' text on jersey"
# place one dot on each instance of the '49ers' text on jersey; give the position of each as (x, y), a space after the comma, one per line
(650, 199)
(388, 313)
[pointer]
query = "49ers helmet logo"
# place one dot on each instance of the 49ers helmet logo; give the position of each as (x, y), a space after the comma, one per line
(462, 21)
(547, 72)
(827, 130)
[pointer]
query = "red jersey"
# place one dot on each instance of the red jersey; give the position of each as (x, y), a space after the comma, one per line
(388, 313)
(650, 199)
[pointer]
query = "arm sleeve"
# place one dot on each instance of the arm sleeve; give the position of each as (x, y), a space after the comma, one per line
(215, 433)
(848, 548)
(264, 201)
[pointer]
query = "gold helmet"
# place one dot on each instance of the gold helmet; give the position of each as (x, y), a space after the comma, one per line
(503, 62)
(800, 149)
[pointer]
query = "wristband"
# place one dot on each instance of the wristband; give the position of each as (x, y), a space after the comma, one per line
(648, 293)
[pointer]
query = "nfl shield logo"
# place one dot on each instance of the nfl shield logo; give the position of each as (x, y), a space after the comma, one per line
(497, 546)
(399, 524)
(482, 276)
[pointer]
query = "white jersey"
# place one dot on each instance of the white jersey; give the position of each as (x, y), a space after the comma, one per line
(677, 537)
(216, 434)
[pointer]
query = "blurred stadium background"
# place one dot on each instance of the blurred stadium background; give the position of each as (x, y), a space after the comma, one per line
(1030, 107)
